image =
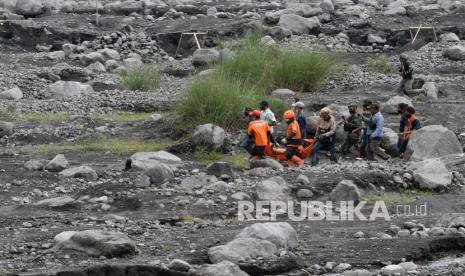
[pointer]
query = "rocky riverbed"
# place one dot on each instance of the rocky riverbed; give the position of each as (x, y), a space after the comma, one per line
(97, 179)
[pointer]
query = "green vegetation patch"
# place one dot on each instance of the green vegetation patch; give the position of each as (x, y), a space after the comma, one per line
(142, 78)
(380, 64)
(123, 116)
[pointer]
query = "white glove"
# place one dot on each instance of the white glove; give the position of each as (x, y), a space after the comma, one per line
(283, 141)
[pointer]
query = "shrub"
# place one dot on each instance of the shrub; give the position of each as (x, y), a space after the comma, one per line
(301, 70)
(142, 78)
(380, 65)
(216, 99)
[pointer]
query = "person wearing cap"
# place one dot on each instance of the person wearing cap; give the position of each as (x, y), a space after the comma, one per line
(376, 132)
(267, 115)
(353, 126)
(258, 133)
(366, 117)
(326, 136)
(406, 72)
(300, 117)
(412, 125)
(293, 139)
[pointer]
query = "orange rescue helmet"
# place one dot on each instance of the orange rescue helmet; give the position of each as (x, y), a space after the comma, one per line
(289, 114)
(256, 113)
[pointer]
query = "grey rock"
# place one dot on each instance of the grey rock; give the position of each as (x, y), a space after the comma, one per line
(208, 135)
(83, 172)
(179, 265)
(299, 25)
(430, 90)
(35, 165)
(56, 202)
(431, 174)
(455, 53)
(391, 105)
(432, 141)
(6, 129)
(56, 55)
(392, 270)
(67, 90)
(281, 234)
(57, 164)
(219, 168)
(274, 188)
(145, 160)
(449, 37)
(266, 163)
(96, 243)
(304, 193)
(224, 268)
(345, 190)
(29, 8)
(204, 57)
(11, 94)
(283, 93)
(242, 250)
(159, 173)
(87, 59)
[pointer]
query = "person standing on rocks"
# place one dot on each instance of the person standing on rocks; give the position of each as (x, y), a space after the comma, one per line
(326, 136)
(258, 133)
(401, 108)
(301, 118)
(376, 132)
(293, 140)
(267, 115)
(412, 124)
(366, 117)
(353, 126)
(406, 72)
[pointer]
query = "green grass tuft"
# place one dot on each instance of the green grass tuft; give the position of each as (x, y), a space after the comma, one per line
(380, 64)
(302, 70)
(237, 160)
(102, 144)
(36, 116)
(389, 198)
(142, 78)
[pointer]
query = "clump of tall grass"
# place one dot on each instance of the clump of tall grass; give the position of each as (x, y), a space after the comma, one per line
(142, 77)
(380, 64)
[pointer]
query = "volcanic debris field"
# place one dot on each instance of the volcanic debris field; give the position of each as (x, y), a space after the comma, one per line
(102, 172)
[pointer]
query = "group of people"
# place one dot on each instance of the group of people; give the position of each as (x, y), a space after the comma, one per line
(364, 131)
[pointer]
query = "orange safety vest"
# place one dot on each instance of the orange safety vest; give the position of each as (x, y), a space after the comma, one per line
(408, 128)
(259, 129)
(297, 139)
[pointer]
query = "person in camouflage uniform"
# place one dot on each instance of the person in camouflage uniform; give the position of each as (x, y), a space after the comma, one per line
(353, 126)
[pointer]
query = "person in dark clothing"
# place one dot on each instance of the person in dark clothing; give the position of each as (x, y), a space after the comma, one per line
(353, 126)
(406, 72)
(412, 124)
(366, 117)
(301, 118)
(401, 108)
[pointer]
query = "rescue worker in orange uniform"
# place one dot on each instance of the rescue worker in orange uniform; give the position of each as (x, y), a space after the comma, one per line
(293, 139)
(412, 124)
(259, 135)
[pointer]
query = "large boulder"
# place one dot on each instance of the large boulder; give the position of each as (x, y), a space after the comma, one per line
(56, 202)
(11, 94)
(431, 174)
(35, 165)
(273, 17)
(456, 53)
(110, 54)
(224, 268)
(96, 243)
(145, 160)
(6, 128)
(390, 107)
(345, 190)
(220, 168)
(159, 173)
(242, 250)
(299, 25)
(327, 6)
(430, 90)
(390, 139)
(283, 93)
(29, 8)
(67, 89)
(281, 234)
(339, 110)
(208, 135)
(449, 37)
(431, 142)
(88, 59)
(204, 57)
(57, 164)
(83, 172)
(274, 188)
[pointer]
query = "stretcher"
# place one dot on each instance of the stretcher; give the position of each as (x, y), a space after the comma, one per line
(303, 151)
